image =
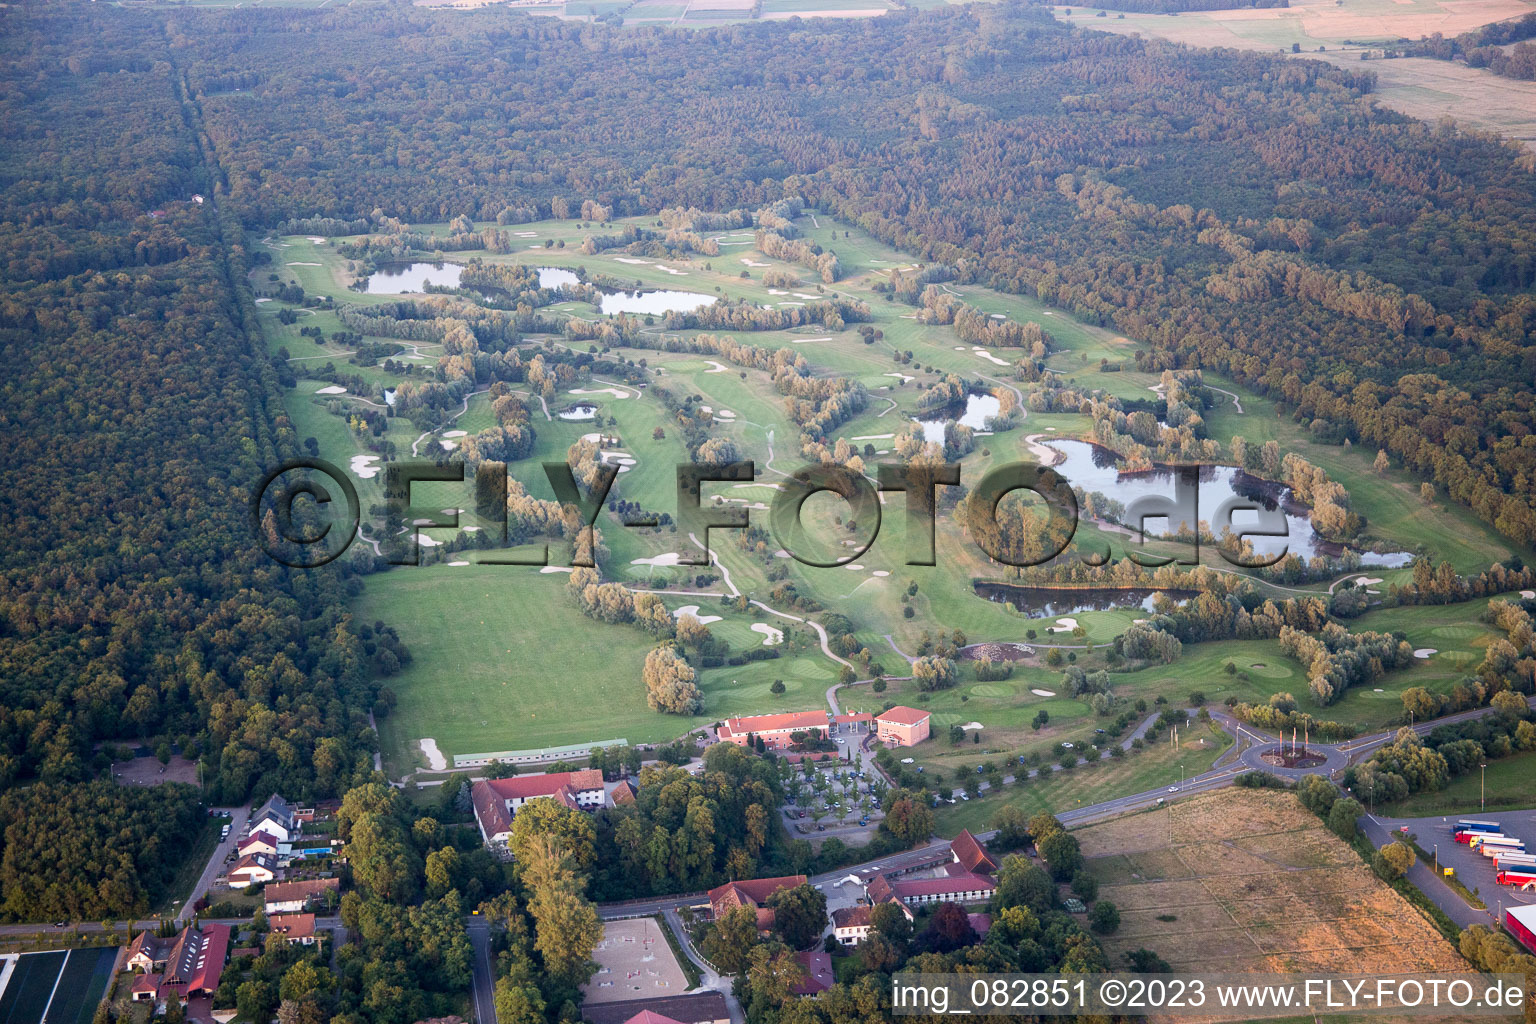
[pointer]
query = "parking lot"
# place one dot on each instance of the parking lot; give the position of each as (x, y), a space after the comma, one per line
(1472, 869)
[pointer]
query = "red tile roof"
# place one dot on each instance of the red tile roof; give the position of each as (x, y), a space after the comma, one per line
(879, 889)
(146, 983)
(490, 796)
(818, 973)
(308, 889)
(295, 926)
(789, 721)
(857, 716)
(751, 892)
(851, 917)
(970, 854)
(906, 889)
(256, 838)
(902, 715)
(980, 923)
(647, 1017)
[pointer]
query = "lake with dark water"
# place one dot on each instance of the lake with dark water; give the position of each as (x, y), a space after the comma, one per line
(1093, 468)
(978, 409)
(406, 278)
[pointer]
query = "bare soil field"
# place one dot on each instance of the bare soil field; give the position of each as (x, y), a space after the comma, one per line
(634, 962)
(148, 771)
(1242, 880)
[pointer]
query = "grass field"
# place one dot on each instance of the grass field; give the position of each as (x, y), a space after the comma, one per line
(471, 689)
(1247, 880)
(1156, 766)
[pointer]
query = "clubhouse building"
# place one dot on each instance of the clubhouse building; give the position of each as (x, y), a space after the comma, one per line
(496, 800)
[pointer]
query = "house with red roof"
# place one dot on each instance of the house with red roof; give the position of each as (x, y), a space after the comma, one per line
(851, 925)
(699, 1008)
(496, 800)
(258, 842)
(185, 967)
(819, 975)
(776, 731)
(253, 869)
(291, 897)
(752, 892)
(298, 929)
(902, 726)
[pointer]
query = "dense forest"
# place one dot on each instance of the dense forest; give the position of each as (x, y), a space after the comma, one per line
(1369, 271)
(138, 412)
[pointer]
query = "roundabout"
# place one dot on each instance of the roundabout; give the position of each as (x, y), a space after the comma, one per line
(1294, 761)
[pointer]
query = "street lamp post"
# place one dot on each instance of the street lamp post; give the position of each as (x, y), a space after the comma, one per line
(1482, 789)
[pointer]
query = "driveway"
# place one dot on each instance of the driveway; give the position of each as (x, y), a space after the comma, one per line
(214, 867)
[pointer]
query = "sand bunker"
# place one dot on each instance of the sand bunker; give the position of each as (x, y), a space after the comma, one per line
(983, 353)
(448, 446)
(1064, 625)
(693, 609)
(638, 263)
(363, 466)
(855, 567)
(615, 392)
(428, 542)
(1042, 693)
(1528, 594)
(435, 759)
(303, 264)
(771, 636)
(968, 726)
(334, 389)
(670, 558)
(804, 341)
(316, 239)
(904, 377)
(880, 572)
(1047, 455)
(717, 367)
(725, 414)
(460, 562)
(754, 263)
(456, 433)
(872, 437)
(545, 570)
(1424, 652)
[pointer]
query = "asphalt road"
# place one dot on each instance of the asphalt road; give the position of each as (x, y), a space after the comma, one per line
(215, 865)
(484, 981)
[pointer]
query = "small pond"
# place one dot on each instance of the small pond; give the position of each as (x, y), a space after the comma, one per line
(404, 278)
(577, 412)
(978, 409)
(655, 303)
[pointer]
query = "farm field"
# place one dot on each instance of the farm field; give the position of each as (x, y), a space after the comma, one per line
(1340, 33)
(470, 690)
(1287, 896)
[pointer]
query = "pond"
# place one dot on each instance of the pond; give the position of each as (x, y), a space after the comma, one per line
(1044, 602)
(556, 277)
(1093, 468)
(402, 278)
(655, 303)
(577, 412)
(978, 409)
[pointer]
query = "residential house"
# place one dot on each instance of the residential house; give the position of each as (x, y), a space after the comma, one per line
(299, 929)
(850, 925)
(752, 892)
(258, 842)
(277, 817)
(253, 869)
(184, 967)
(819, 975)
(290, 897)
(497, 800)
